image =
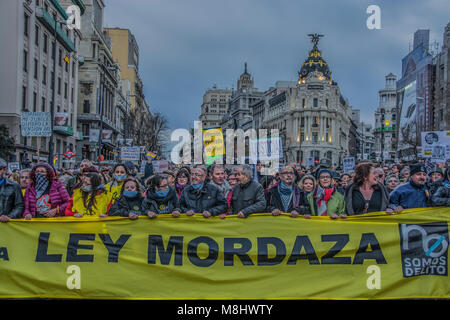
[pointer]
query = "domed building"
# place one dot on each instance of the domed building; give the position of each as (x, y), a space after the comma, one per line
(312, 116)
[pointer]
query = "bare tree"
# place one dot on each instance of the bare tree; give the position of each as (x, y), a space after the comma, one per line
(149, 130)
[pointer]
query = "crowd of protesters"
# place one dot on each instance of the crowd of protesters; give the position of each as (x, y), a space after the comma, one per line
(217, 190)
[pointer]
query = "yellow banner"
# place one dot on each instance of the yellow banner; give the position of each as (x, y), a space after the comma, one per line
(373, 256)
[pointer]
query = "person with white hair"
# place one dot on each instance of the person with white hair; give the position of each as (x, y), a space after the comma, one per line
(248, 196)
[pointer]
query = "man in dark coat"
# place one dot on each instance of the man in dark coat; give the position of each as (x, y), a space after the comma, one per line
(11, 199)
(287, 196)
(248, 196)
(202, 197)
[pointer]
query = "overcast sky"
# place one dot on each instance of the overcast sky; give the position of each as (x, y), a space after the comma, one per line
(187, 46)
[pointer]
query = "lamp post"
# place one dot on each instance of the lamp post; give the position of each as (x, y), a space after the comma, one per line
(52, 105)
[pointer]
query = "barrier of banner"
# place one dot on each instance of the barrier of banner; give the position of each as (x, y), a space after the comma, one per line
(373, 256)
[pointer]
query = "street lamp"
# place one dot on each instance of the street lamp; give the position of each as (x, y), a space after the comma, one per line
(52, 105)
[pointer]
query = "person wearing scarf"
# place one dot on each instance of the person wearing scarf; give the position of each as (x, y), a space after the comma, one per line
(45, 196)
(325, 200)
(129, 203)
(287, 196)
(160, 198)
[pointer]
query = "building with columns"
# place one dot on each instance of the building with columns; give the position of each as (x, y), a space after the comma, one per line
(386, 117)
(313, 117)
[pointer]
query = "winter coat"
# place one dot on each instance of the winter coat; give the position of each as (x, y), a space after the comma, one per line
(409, 195)
(348, 197)
(298, 201)
(208, 198)
(442, 196)
(161, 205)
(11, 200)
(124, 205)
(335, 204)
(59, 197)
(248, 198)
(101, 206)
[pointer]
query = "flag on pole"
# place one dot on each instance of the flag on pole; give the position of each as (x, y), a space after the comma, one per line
(67, 59)
(55, 159)
(150, 154)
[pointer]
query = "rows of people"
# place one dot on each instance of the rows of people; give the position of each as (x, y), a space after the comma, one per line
(216, 190)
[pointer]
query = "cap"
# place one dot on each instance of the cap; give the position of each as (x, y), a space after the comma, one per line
(416, 168)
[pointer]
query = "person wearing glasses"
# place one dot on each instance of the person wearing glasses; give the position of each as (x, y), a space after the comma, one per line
(367, 193)
(379, 174)
(287, 196)
(325, 200)
(202, 197)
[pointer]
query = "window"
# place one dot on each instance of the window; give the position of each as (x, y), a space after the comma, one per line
(25, 61)
(65, 90)
(35, 74)
(326, 102)
(327, 123)
(51, 81)
(71, 95)
(302, 122)
(60, 57)
(26, 21)
(303, 103)
(315, 122)
(53, 50)
(315, 137)
(36, 35)
(316, 102)
(59, 85)
(86, 106)
(43, 105)
(45, 42)
(24, 98)
(94, 47)
(73, 70)
(34, 101)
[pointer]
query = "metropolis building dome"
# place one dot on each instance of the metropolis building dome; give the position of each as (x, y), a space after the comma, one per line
(314, 63)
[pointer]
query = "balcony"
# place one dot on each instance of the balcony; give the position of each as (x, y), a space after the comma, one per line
(47, 20)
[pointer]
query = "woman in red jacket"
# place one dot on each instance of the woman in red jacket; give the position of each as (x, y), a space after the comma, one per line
(45, 196)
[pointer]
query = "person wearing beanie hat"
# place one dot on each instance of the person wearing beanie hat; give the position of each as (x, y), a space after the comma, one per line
(413, 194)
(11, 200)
(45, 196)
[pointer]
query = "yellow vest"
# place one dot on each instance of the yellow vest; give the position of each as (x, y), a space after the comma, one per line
(100, 206)
(114, 192)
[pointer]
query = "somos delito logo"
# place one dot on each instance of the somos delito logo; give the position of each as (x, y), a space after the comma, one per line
(424, 249)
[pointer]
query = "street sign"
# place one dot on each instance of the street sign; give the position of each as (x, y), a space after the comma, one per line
(130, 153)
(35, 124)
(69, 154)
(349, 164)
